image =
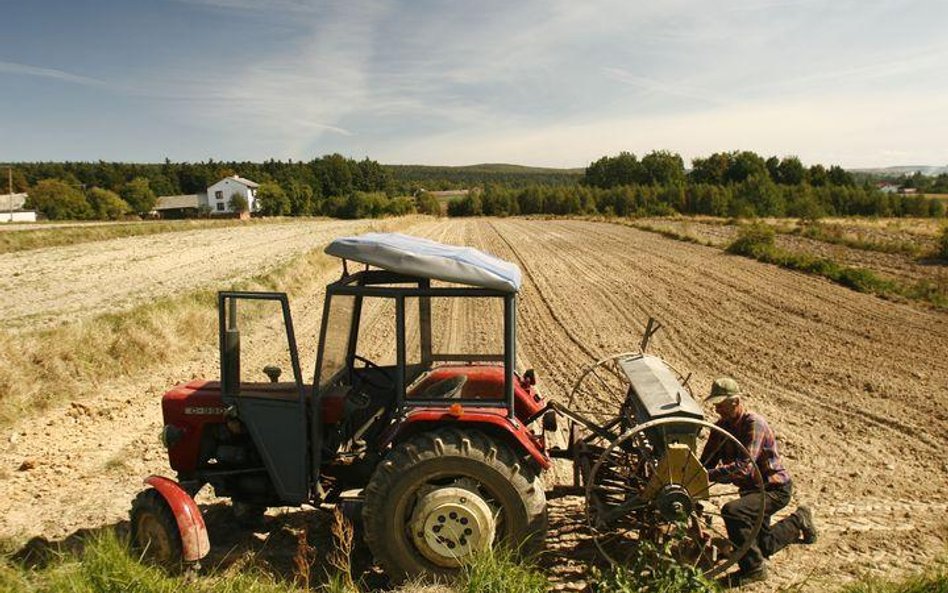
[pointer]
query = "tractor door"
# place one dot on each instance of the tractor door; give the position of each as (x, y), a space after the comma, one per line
(261, 380)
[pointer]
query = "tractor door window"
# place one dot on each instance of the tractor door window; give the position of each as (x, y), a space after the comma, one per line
(377, 331)
(262, 355)
(338, 328)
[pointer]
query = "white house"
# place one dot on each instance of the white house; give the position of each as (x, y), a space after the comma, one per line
(11, 209)
(219, 194)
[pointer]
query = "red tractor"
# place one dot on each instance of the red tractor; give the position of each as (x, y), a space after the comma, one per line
(441, 441)
(442, 448)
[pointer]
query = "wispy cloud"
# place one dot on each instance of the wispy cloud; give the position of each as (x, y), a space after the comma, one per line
(24, 69)
(272, 7)
(652, 86)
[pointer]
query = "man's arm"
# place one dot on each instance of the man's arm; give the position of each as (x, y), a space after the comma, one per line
(711, 454)
(742, 468)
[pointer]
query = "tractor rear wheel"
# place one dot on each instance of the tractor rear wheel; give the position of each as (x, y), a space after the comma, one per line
(154, 530)
(444, 495)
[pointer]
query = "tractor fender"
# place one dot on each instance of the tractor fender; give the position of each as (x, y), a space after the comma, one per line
(492, 421)
(194, 540)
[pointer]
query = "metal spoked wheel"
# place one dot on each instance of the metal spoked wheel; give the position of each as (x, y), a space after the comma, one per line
(599, 395)
(648, 485)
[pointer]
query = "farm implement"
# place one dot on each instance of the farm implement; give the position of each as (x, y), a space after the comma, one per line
(441, 445)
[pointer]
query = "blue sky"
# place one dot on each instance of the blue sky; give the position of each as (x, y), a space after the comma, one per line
(547, 83)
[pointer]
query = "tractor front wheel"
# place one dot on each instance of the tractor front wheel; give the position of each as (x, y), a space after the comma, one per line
(441, 496)
(154, 531)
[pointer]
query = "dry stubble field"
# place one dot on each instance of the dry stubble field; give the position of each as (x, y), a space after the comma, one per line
(855, 386)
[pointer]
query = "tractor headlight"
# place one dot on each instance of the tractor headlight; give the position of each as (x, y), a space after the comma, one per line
(170, 435)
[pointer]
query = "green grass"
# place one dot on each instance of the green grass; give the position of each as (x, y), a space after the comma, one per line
(652, 569)
(499, 571)
(104, 564)
(754, 240)
(14, 240)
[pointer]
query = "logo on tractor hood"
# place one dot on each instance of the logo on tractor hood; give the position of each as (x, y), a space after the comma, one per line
(205, 411)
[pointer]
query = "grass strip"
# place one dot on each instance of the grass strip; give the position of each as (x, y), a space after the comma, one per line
(102, 563)
(670, 234)
(828, 233)
(13, 240)
(757, 242)
(50, 367)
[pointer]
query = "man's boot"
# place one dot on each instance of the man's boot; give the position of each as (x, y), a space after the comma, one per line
(807, 526)
(744, 577)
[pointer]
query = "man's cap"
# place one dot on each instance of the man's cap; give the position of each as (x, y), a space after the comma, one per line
(724, 388)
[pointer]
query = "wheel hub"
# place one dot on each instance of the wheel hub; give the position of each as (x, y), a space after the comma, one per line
(449, 524)
(674, 503)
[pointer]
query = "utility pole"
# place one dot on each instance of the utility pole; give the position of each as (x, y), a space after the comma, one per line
(10, 190)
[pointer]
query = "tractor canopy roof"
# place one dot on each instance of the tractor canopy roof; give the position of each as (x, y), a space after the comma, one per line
(423, 258)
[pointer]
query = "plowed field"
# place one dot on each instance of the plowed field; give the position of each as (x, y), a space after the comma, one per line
(856, 387)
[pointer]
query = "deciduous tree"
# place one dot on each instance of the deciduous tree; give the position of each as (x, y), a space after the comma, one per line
(58, 200)
(272, 200)
(238, 203)
(107, 205)
(139, 196)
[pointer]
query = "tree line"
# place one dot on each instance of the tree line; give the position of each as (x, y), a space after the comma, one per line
(332, 185)
(733, 184)
(738, 183)
(749, 199)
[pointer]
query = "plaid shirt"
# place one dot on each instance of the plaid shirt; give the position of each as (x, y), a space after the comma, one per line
(726, 465)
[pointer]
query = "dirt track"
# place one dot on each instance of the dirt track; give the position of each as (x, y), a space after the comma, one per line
(855, 386)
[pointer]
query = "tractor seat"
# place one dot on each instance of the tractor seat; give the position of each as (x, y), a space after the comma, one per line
(449, 388)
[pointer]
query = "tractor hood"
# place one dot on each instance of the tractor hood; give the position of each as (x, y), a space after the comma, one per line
(428, 259)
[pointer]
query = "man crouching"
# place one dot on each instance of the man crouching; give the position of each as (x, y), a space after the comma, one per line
(723, 462)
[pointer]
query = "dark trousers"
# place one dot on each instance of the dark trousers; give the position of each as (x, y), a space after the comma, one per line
(739, 518)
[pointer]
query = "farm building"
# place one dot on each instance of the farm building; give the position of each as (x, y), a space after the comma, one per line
(183, 206)
(219, 194)
(215, 201)
(12, 209)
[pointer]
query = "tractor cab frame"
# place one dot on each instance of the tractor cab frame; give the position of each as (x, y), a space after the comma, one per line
(286, 419)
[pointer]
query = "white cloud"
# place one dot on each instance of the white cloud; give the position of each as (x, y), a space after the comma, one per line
(14, 68)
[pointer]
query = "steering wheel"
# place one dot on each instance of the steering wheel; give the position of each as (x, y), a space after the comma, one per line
(365, 378)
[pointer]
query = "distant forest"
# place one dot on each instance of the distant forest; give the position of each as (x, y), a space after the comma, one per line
(739, 183)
